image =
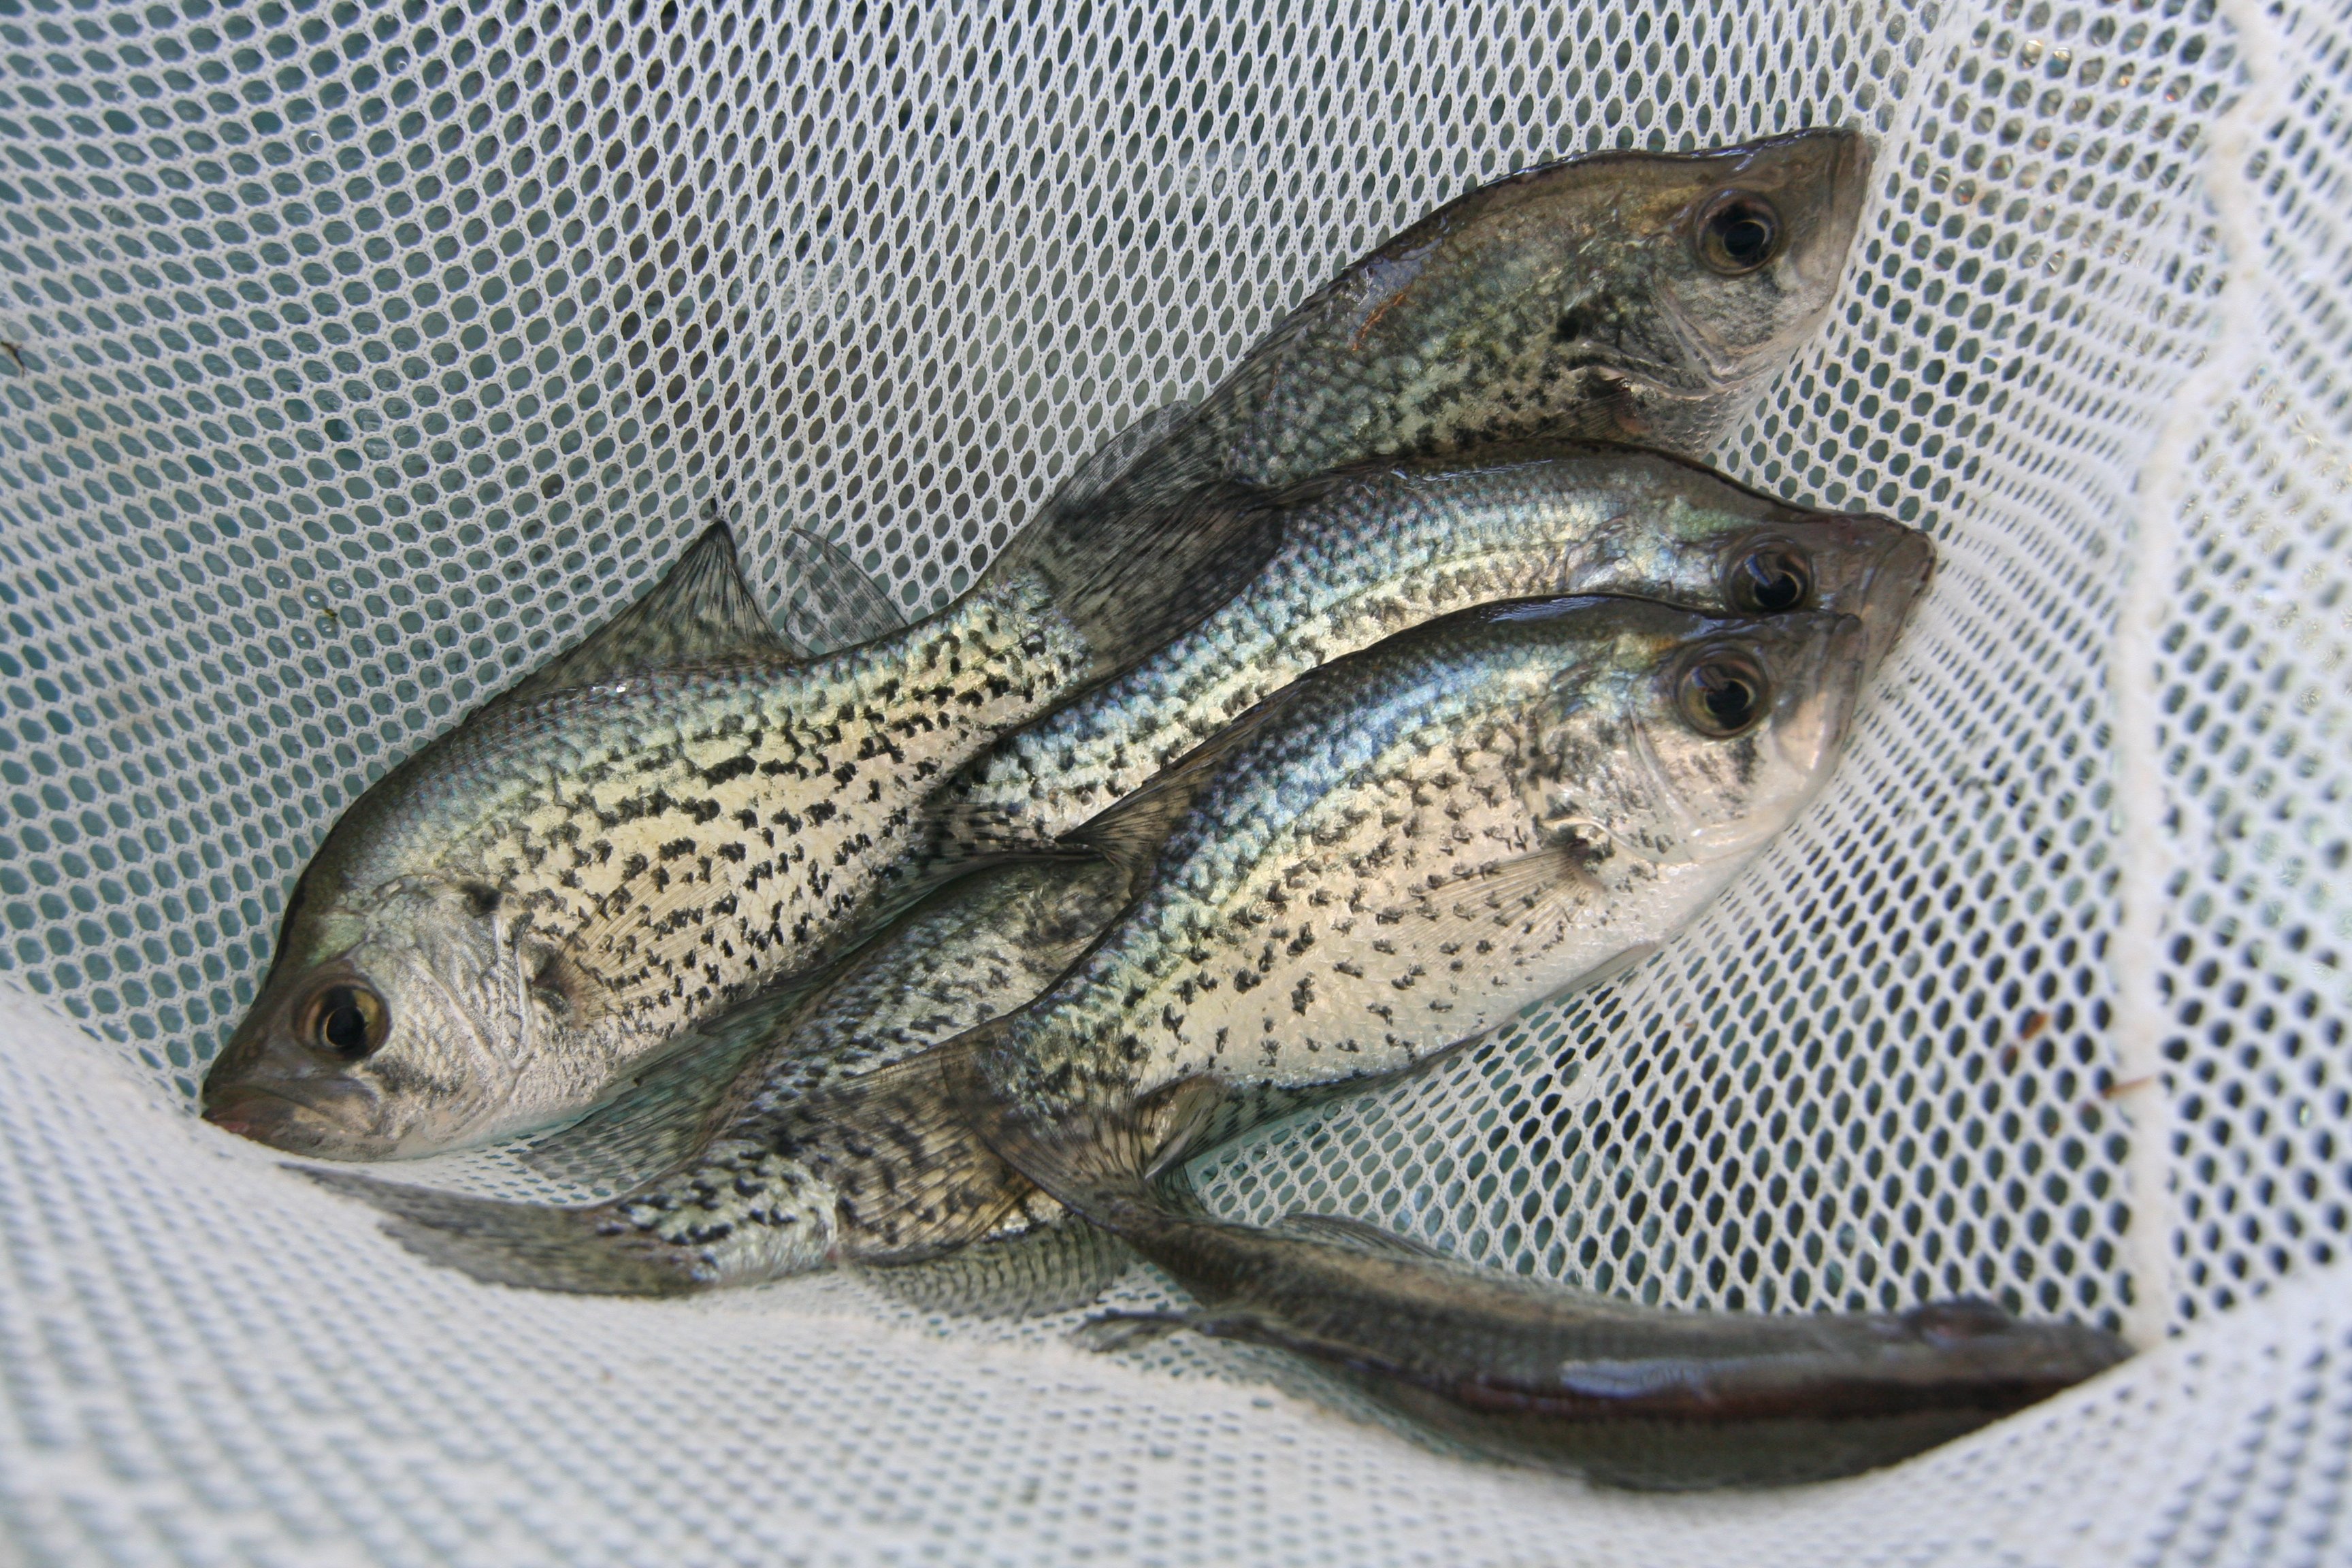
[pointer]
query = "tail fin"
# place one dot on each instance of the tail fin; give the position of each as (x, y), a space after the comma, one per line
(1132, 578)
(913, 1176)
(588, 1252)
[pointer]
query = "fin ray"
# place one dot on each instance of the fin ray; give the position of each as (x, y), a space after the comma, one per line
(701, 610)
(834, 603)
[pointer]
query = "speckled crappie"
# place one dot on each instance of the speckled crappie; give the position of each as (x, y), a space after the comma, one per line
(769, 1192)
(1411, 845)
(1619, 1393)
(1641, 297)
(680, 810)
(1387, 546)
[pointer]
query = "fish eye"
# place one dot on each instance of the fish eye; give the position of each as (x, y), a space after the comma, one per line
(1770, 579)
(1722, 693)
(345, 1021)
(1737, 232)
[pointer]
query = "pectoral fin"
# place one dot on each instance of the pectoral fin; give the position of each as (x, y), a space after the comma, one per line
(1461, 914)
(662, 1114)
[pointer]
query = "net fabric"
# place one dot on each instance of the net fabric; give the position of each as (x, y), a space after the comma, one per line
(358, 356)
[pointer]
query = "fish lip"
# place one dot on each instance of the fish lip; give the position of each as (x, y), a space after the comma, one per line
(279, 1118)
(1892, 589)
(279, 1121)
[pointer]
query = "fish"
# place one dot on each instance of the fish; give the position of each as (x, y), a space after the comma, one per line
(1621, 296)
(745, 1207)
(995, 939)
(545, 898)
(1388, 860)
(678, 812)
(1388, 545)
(1620, 1394)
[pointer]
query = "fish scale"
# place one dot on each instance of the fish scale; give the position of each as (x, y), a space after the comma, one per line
(678, 861)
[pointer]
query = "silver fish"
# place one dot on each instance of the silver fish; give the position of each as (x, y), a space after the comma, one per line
(679, 811)
(1387, 546)
(748, 1205)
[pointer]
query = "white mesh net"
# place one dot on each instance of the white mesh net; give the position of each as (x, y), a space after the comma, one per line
(358, 355)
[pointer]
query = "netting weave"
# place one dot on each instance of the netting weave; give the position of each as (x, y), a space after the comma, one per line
(357, 356)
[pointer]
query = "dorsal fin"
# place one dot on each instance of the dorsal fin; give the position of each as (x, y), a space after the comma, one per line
(699, 611)
(1356, 1233)
(1115, 457)
(834, 603)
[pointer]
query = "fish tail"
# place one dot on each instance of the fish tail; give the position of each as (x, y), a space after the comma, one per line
(912, 1174)
(589, 1252)
(1132, 577)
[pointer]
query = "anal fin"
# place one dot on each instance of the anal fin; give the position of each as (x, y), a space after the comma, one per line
(531, 1246)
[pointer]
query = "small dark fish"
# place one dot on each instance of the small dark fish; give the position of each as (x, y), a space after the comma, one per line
(1621, 1393)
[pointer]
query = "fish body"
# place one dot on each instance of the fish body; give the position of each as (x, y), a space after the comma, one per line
(1390, 857)
(1591, 298)
(768, 1193)
(1407, 847)
(588, 865)
(1376, 551)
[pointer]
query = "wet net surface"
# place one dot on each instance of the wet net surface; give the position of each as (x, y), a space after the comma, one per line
(357, 357)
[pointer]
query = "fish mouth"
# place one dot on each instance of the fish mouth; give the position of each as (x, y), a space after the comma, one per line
(293, 1126)
(1891, 591)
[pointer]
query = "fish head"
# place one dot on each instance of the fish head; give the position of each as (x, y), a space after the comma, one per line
(1761, 235)
(1622, 296)
(418, 1019)
(1683, 535)
(1872, 568)
(1697, 739)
